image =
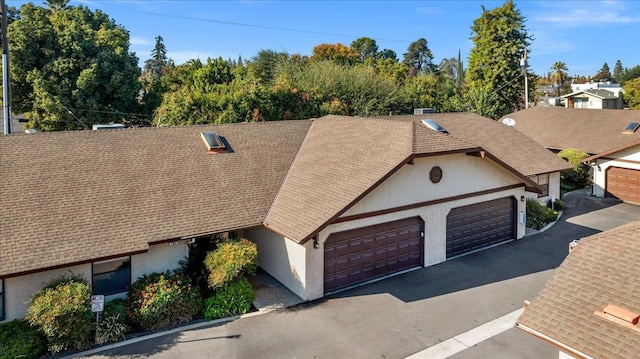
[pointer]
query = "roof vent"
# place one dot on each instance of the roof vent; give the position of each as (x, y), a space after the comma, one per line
(631, 128)
(620, 316)
(509, 121)
(423, 111)
(110, 126)
(213, 142)
(434, 126)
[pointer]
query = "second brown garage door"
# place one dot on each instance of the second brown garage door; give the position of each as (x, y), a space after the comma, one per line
(480, 225)
(362, 254)
(624, 184)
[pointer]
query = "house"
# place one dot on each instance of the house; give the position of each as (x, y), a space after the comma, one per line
(330, 202)
(590, 306)
(610, 136)
(607, 85)
(593, 99)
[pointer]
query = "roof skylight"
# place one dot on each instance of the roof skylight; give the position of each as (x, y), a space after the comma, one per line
(631, 128)
(434, 125)
(213, 142)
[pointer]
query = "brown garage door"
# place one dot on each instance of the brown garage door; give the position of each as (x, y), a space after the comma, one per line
(623, 183)
(480, 225)
(362, 254)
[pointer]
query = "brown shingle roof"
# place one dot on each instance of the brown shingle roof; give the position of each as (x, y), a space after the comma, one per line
(509, 146)
(69, 197)
(603, 269)
(340, 160)
(592, 131)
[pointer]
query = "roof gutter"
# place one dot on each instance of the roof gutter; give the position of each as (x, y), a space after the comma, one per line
(565, 348)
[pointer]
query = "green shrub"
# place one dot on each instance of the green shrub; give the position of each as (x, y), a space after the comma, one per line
(231, 299)
(159, 301)
(231, 260)
(113, 322)
(539, 215)
(579, 176)
(193, 265)
(20, 340)
(62, 310)
(558, 205)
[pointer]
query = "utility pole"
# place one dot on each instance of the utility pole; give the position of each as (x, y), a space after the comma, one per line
(523, 65)
(6, 77)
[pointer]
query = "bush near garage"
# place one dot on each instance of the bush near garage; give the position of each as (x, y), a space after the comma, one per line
(62, 310)
(231, 299)
(232, 259)
(162, 300)
(113, 322)
(579, 177)
(557, 206)
(539, 215)
(18, 339)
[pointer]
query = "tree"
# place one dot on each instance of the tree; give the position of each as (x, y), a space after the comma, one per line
(335, 52)
(500, 39)
(71, 64)
(263, 64)
(388, 54)
(632, 93)
(419, 56)
(452, 68)
(559, 75)
(604, 74)
(618, 71)
(156, 65)
(366, 47)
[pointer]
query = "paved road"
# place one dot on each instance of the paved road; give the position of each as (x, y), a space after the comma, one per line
(405, 314)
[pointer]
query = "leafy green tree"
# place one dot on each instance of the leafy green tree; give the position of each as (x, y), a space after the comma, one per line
(632, 93)
(366, 47)
(263, 64)
(388, 54)
(452, 68)
(419, 56)
(500, 39)
(629, 74)
(215, 72)
(70, 64)
(559, 75)
(335, 52)
(617, 71)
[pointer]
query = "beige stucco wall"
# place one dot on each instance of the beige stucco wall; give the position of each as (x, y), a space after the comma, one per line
(554, 189)
(18, 290)
(284, 259)
(301, 268)
(628, 158)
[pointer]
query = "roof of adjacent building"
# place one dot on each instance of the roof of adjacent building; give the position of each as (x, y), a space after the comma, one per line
(74, 197)
(592, 131)
(602, 270)
(599, 93)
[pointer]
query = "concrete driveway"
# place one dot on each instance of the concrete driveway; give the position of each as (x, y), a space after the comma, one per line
(405, 314)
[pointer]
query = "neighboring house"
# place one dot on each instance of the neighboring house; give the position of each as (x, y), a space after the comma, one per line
(330, 202)
(593, 99)
(610, 136)
(590, 306)
(615, 88)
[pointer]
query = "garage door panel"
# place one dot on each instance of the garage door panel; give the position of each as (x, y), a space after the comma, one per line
(370, 252)
(480, 225)
(623, 183)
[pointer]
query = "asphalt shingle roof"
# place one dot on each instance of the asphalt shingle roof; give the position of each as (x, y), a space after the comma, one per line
(589, 130)
(69, 197)
(603, 269)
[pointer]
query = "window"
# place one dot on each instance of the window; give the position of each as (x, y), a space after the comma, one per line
(1, 299)
(543, 181)
(112, 276)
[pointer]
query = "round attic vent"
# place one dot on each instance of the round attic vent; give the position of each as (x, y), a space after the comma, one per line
(509, 121)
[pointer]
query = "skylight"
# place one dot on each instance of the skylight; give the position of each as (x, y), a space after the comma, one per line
(213, 142)
(631, 128)
(434, 125)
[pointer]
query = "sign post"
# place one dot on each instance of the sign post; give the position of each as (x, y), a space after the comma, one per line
(97, 305)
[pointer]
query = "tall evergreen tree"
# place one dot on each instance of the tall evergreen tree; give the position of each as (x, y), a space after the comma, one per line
(604, 74)
(366, 47)
(618, 71)
(500, 39)
(419, 56)
(158, 62)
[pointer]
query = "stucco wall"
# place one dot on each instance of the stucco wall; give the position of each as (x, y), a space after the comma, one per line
(628, 158)
(554, 188)
(159, 258)
(18, 290)
(284, 259)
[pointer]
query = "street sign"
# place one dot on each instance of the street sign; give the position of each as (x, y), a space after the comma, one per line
(97, 303)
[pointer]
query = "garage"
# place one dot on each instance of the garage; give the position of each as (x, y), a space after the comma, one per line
(480, 225)
(624, 184)
(362, 254)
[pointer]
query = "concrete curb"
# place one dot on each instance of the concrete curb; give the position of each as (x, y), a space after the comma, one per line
(166, 332)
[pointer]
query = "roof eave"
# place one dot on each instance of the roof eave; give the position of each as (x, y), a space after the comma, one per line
(565, 348)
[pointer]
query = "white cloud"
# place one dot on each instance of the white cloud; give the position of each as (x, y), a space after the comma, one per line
(586, 13)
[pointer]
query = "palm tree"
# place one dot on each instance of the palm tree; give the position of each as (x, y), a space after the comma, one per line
(559, 75)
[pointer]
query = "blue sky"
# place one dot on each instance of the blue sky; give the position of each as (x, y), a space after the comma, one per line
(583, 34)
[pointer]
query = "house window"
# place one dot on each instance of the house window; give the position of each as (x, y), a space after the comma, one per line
(112, 276)
(543, 181)
(1, 299)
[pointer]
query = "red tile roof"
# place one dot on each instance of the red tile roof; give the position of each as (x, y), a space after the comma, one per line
(602, 270)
